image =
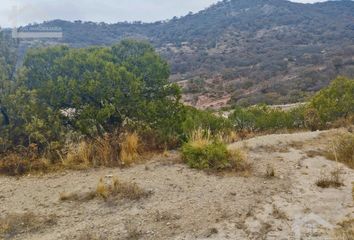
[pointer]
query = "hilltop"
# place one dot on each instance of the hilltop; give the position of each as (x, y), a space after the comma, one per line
(271, 51)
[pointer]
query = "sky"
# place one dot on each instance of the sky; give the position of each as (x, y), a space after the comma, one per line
(21, 12)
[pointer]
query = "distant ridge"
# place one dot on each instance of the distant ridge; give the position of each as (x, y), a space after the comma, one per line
(271, 51)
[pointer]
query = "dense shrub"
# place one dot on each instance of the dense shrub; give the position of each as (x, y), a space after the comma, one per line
(263, 118)
(335, 101)
(203, 151)
(344, 149)
(196, 119)
(91, 92)
(213, 155)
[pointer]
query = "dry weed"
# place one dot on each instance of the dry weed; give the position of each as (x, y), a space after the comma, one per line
(129, 149)
(239, 161)
(270, 171)
(14, 224)
(345, 231)
(112, 190)
(332, 180)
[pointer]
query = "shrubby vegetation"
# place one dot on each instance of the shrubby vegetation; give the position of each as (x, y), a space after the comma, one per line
(272, 40)
(64, 94)
(327, 106)
(104, 105)
(198, 119)
(335, 101)
(264, 118)
(205, 151)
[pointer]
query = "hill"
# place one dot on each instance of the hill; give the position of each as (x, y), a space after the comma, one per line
(271, 51)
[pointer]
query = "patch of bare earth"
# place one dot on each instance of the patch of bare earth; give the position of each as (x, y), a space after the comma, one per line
(276, 201)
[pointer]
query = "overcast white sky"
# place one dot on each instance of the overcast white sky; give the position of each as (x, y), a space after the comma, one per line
(29, 11)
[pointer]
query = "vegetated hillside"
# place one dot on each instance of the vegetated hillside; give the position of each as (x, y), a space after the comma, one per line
(271, 51)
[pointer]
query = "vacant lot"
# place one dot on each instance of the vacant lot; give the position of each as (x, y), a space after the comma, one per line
(278, 199)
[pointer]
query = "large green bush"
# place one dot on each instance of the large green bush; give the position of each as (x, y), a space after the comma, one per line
(89, 91)
(213, 155)
(335, 101)
(196, 119)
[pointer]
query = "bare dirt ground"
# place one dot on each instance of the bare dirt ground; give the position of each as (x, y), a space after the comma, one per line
(191, 204)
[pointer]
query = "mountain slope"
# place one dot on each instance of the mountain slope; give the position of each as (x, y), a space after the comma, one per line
(270, 51)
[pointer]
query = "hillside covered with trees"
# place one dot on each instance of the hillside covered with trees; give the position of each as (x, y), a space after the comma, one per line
(271, 51)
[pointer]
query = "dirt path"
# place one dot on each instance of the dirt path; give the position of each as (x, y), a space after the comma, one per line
(189, 204)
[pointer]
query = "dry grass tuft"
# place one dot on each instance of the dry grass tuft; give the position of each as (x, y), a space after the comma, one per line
(200, 138)
(129, 149)
(126, 190)
(80, 197)
(279, 214)
(115, 189)
(270, 171)
(345, 230)
(14, 224)
(333, 180)
(238, 161)
(343, 149)
(109, 150)
(23, 160)
(79, 156)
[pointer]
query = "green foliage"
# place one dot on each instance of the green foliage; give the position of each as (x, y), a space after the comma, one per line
(335, 101)
(213, 155)
(262, 118)
(312, 119)
(90, 91)
(196, 119)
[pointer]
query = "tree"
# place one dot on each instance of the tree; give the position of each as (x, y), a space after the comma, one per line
(335, 101)
(91, 91)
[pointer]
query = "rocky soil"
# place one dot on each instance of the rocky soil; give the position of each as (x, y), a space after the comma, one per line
(191, 204)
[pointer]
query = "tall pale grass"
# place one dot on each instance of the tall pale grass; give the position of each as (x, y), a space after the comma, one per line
(200, 138)
(129, 149)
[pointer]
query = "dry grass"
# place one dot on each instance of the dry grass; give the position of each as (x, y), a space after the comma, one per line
(115, 189)
(343, 149)
(109, 150)
(279, 214)
(333, 180)
(239, 161)
(345, 230)
(14, 224)
(80, 197)
(200, 138)
(23, 160)
(79, 156)
(270, 171)
(129, 149)
(126, 190)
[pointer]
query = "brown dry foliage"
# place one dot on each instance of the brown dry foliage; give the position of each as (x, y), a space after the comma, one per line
(333, 180)
(345, 231)
(129, 149)
(115, 189)
(109, 151)
(14, 224)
